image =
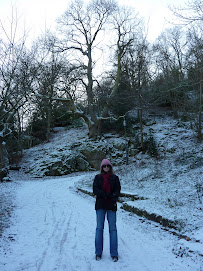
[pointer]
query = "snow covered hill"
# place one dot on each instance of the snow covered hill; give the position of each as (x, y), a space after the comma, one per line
(53, 223)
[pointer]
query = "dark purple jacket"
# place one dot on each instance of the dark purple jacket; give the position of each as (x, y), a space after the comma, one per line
(101, 196)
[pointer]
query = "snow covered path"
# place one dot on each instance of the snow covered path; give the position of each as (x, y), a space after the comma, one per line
(54, 228)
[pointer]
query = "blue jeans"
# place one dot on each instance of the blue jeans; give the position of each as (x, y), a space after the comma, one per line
(111, 217)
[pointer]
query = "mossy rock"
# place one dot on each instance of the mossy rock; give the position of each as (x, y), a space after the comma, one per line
(94, 155)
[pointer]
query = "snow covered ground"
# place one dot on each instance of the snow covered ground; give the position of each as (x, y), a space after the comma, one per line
(53, 228)
(52, 225)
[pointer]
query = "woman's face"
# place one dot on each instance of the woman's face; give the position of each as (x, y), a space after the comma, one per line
(106, 168)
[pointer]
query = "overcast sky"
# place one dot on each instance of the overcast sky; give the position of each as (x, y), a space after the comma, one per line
(41, 14)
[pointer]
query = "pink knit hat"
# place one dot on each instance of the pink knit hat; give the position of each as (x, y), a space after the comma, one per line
(105, 162)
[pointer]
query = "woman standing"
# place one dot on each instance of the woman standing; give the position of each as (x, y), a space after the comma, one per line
(107, 188)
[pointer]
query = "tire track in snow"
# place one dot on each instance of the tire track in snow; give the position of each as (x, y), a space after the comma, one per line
(56, 241)
(64, 237)
(60, 217)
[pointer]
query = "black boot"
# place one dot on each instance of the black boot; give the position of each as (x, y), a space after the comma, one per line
(98, 257)
(114, 258)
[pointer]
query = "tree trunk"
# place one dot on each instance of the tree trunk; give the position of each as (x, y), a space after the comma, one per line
(4, 161)
(48, 122)
(200, 108)
(114, 91)
(140, 69)
(141, 127)
(94, 129)
(90, 97)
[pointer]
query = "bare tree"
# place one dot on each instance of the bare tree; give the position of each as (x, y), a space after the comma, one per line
(47, 78)
(191, 13)
(85, 24)
(126, 25)
(12, 97)
(195, 68)
(55, 81)
(170, 62)
(82, 25)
